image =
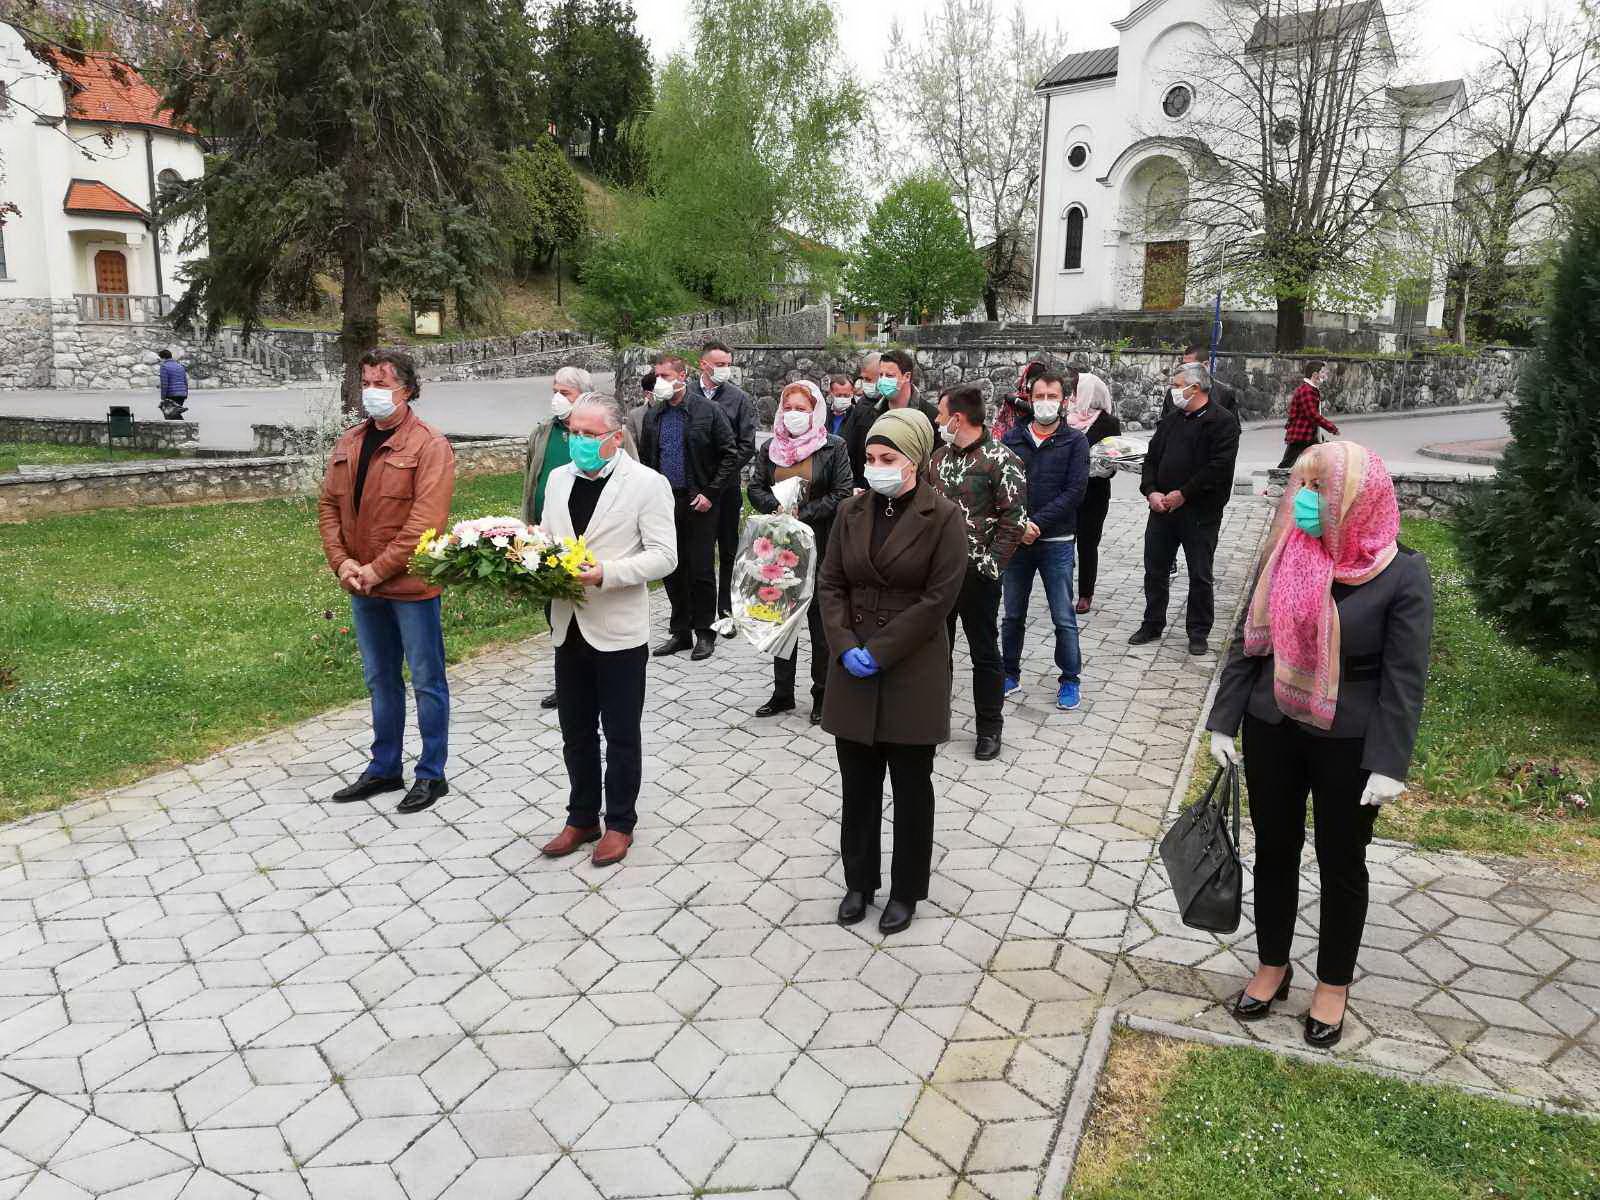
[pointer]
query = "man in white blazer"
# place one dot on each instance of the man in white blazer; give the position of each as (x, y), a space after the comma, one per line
(624, 513)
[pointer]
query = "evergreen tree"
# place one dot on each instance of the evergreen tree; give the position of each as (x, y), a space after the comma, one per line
(915, 261)
(545, 206)
(1532, 540)
(363, 137)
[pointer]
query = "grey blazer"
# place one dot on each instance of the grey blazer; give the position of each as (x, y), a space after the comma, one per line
(1385, 627)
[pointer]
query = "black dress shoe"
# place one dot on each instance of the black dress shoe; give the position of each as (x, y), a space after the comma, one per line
(549, 701)
(1323, 1035)
(705, 643)
(778, 704)
(1141, 636)
(368, 785)
(1248, 1008)
(422, 794)
(853, 907)
(988, 747)
(816, 711)
(897, 915)
(674, 644)
(1197, 646)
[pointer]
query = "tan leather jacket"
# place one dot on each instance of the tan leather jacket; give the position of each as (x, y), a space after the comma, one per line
(408, 488)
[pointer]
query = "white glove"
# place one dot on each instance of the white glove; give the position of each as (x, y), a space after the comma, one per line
(1223, 749)
(1381, 789)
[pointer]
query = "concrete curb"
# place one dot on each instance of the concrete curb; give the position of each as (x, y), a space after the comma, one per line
(1479, 460)
(1403, 414)
(1064, 1154)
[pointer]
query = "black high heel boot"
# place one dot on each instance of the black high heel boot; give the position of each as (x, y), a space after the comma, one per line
(1248, 1008)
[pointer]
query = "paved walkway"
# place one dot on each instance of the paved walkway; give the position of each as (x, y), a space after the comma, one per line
(214, 985)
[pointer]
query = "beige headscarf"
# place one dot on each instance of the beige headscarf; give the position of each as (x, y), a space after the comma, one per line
(907, 431)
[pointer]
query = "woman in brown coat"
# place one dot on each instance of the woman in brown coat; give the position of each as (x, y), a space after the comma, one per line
(894, 569)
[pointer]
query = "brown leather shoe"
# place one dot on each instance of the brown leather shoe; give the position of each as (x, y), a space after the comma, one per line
(613, 848)
(569, 839)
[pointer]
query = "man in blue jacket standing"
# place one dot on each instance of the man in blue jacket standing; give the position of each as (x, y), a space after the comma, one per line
(174, 386)
(1056, 458)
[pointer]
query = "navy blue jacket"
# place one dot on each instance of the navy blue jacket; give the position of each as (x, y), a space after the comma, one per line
(1058, 476)
(174, 379)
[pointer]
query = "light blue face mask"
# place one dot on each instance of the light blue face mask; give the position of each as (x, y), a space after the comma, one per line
(887, 387)
(1308, 511)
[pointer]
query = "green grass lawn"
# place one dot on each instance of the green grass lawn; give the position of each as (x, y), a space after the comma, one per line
(132, 639)
(1174, 1121)
(1508, 756)
(44, 454)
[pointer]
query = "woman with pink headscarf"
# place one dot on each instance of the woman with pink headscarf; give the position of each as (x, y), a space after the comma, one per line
(801, 447)
(1326, 674)
(1090, 414)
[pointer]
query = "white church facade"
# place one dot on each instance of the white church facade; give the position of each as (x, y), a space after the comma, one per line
(1119, 154)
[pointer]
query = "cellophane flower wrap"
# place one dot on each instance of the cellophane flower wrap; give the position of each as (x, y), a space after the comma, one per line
(775, 576)
(506, 555)
(1113, 454)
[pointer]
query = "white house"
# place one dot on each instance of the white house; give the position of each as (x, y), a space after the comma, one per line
(84, 148)
(1118, 155)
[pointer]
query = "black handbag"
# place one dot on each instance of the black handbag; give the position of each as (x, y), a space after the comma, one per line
(1202, 857)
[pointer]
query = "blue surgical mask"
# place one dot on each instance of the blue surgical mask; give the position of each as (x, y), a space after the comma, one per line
(887, 387)
(886, 481)
(378, 402)
(1308, 511)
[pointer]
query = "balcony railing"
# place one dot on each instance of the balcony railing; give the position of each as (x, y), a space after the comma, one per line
(112, 308)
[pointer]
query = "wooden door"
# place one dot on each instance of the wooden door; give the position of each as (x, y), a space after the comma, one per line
(1166, 274)
(111, 279)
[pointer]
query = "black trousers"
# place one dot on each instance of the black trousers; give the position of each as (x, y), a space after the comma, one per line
(978, 608)
(861, 770)
(730, 507)
(692, 586)
(1281, 764)
(598, 689)
(1196, 533)
(1292, 452)
(1091, 524)
(783, 669)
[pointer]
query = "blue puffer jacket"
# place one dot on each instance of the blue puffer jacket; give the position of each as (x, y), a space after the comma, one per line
(1058, 476)
(174, 379)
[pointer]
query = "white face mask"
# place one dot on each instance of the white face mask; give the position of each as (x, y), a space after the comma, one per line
(886, 481)
(1046, 412)
(947, 435)
(378, 402)
(560, 407)
(721, 374)
(796, 422)
(663, 389)
(842, 403)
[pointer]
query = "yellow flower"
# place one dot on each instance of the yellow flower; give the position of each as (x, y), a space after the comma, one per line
(426, 540)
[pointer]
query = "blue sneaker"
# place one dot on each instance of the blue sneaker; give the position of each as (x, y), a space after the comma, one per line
(1013, 686)
(1067, 698)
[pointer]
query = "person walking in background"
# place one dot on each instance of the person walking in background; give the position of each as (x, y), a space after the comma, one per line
(547, 450)
(894, 567)
(1055, 457)
(688, 439)
(389, 480)
(715, 383)
(624, 513)
(801, 447)
(1221, 393)
(1187, 479)
(1090, 414)
(172, 381)
(1326, 674)
(987, 482)
(896, 390)
(1305, 414)
(849, 418)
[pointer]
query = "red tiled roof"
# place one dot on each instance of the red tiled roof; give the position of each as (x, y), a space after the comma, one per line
(92, 196)
(101, 87)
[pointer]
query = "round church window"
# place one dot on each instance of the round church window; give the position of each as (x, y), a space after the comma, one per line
(1177, 100)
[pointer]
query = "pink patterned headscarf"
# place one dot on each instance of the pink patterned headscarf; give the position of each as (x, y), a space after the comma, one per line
(1292, 613)
(785, 449)
(1091, 398)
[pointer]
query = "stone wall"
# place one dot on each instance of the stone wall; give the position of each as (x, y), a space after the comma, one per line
(1243, 332)
(77, 431)
(1436, 494)
(139, 485)
(1138, 378)
(25, 344)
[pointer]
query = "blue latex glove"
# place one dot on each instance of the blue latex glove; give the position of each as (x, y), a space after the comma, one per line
(859, 662)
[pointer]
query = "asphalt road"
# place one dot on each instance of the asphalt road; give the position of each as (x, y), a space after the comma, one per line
(1394, 438)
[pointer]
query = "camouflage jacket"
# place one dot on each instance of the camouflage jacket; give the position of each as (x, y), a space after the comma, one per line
(989, 484)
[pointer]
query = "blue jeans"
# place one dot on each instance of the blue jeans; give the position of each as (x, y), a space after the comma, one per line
(1053, 562)
(390, 632)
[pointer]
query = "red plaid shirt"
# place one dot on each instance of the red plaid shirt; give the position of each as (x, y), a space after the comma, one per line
(1305, 416)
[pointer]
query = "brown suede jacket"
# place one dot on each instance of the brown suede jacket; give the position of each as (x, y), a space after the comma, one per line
(407, 491)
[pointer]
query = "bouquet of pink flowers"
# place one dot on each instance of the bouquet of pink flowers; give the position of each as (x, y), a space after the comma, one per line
(773, 581)
(503, 553)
